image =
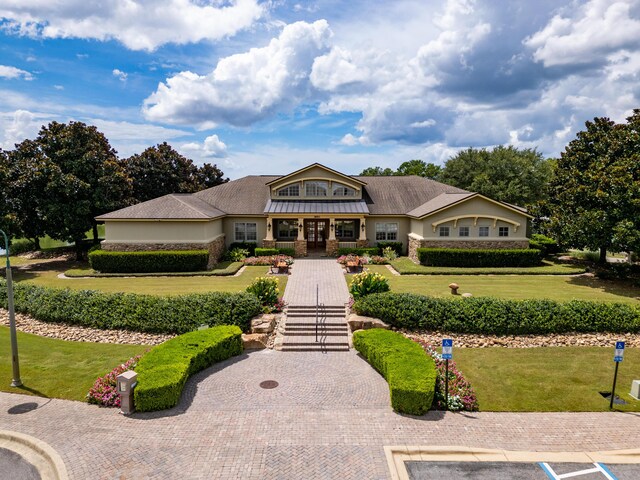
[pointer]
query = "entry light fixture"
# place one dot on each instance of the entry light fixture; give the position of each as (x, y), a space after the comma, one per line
(332, 227)
(300, 226)
(269, 226)
(362, 227)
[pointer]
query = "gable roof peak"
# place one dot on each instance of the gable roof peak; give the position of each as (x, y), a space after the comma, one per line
(323, 167)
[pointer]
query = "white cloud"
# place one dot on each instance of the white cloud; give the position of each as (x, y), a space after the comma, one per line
(212, 147)
(246, 87)
(7, 71)
(138, 24)
(119, 74)
(59, 87)
(19, 125)
(337, 69)
(595, 30)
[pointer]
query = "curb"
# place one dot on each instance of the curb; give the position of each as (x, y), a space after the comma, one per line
(41, 455)
(398, 455)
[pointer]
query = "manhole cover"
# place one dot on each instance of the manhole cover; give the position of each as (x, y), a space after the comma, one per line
(269, 384)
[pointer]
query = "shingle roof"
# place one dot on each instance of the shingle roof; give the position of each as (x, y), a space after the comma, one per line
(441, 201)
(336, 206)
(169, 207)
(246, 196)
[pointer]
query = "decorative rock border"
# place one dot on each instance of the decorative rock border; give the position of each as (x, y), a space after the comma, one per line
(41, 455)
(27, 324)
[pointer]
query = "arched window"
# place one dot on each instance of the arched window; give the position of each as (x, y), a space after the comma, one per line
(340, 190)
(292, 190)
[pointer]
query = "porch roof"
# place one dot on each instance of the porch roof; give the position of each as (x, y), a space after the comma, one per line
(338, 207)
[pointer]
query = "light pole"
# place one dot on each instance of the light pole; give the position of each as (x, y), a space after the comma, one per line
(16, 382)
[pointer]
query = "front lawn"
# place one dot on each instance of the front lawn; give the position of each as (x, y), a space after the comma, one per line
(553, 379)
(560, 288)
(47, 275)
(57, 368)
(405, 266)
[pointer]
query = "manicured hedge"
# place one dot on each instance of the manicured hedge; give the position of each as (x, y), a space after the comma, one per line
(547, 245)
(130, 311)
(265, 252)
(493, 316)
(147, 262)
(409, 371)
(163, 371)
(396, 246)
(358, 251)
(463, 257)
(250, 246)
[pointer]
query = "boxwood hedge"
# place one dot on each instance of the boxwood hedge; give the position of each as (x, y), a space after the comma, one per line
(163, 371)
(487, 315)
(471, 257)
(130, 311)
(265, 252)
(358, 251)
(409, 371)
(147, 262)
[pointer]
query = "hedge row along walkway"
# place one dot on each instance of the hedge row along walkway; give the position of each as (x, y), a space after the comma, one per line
(329, 418)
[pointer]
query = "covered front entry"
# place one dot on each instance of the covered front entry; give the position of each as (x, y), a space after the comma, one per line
(316, 232)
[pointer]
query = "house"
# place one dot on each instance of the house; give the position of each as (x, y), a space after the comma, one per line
(317, 210)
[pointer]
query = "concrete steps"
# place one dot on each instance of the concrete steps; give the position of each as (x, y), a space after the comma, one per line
(300, 329)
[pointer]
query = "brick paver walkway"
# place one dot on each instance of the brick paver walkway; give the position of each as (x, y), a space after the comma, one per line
(329, 418)
(326, 274)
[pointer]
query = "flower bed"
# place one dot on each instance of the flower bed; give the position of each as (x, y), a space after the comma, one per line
(268, 260)
(104, 391)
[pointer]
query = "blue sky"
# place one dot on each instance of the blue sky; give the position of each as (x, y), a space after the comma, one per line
(270, 86)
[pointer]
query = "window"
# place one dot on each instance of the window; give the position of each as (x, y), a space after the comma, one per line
(287, 229)
(246, 232)
(483, 232)
(316, 189)
(340, 190)
(443, 231)
(463, 232)
(289, 191)
(345, 229)
(387, 231)
(503, 231)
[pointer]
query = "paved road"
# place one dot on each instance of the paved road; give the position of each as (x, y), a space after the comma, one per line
(14, 467)
(329, 418)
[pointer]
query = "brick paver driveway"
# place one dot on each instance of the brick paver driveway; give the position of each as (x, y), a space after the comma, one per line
(328, 418)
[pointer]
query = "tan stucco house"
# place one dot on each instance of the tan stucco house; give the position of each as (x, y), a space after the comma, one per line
(317, 209)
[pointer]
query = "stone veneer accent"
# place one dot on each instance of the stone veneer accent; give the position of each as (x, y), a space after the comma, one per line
(414, 244)
(300, 247)
(215, 248)
(332, 247)
(268, 244)
(362, 243)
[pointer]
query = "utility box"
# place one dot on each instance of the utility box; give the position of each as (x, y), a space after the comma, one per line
(635, 389)
(127, 381)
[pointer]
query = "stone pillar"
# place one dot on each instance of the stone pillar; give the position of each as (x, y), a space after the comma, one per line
(271, 226)
(216, 249)
(268, 243)
(300, 247)
(362, 243)
(413, 244)
(332, 247)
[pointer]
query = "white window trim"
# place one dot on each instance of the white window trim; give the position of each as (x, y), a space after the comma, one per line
(387, 232)
(235, 232)
(468, 231)
(442, 229)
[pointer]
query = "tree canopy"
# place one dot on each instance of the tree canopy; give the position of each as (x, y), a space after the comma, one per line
(161, 170)
(508, 174)
(411, 167)
(595, 190)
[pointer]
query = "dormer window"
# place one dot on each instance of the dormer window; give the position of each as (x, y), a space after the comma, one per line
(316, 188)
(289, 191)
(340, 190)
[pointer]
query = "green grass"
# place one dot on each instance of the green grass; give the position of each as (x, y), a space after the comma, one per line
(514, 286)
(552, 379)
(222, 269)
(405, 266)
(47, 275)
(59, 369)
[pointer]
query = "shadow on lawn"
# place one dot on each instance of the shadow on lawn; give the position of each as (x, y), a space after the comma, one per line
(621, 288)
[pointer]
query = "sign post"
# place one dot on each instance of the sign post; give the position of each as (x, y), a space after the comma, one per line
(447, 354)
(617, 357)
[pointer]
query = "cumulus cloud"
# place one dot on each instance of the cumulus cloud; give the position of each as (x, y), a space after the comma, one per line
(119, 74)
(245, 87)
(212, 147)
(587, 34)
(137, 24)
(18, 125)
(7, 71)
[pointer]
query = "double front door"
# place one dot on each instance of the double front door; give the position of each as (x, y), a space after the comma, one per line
(316, 233)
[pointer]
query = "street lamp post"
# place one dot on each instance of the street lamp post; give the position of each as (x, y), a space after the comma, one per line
(16, 382)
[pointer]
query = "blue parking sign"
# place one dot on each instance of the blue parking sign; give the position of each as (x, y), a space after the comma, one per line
(619, 354)
(447, 349)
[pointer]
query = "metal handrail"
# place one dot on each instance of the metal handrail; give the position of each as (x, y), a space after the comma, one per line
(317, 306)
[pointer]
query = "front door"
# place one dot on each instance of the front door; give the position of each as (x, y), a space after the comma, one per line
(316, 234)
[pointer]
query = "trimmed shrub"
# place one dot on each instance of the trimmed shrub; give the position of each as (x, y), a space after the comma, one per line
(396, 246)
(366, 283)
(130, 311)
(20, 246)
(409, 371)
(289, 252)
(359, 251)
(548, 246)
(163, 371)
(250, 246)
(147, 262)
(479, 258)
(493, 316)
(265, 252)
